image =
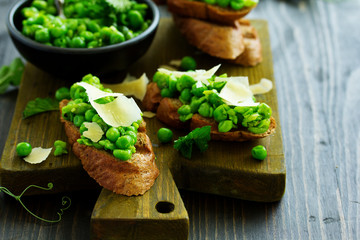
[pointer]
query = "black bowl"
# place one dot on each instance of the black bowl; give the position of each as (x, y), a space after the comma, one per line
(76, 62)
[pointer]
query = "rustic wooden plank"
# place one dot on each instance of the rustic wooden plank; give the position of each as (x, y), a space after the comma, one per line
(158, 214)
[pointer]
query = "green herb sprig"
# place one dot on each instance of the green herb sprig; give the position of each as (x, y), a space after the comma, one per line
(199, 137)
(40, 105)
(66, 201)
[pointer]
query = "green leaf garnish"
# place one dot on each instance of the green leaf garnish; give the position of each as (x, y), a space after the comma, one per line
(199, 136)
(11, 75)
(40, 105)
(66, 201)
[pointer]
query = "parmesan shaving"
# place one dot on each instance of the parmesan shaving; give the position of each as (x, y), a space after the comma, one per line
(131, 87)
(122, 111)
(38, 155)
(236, 92)
(148, 114)
(94, 132)
(264, 86)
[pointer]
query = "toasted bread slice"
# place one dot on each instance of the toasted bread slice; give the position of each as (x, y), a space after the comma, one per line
(224, 42)
(167, 113)
(132, 177)
(207, 12)
(252, 55)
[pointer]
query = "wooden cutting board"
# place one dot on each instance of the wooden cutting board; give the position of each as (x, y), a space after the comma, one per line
(225, 168)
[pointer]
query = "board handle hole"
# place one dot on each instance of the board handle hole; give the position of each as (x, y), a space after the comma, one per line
(164, 207)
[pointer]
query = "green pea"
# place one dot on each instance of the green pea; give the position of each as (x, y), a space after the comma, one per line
(218, 86)
(116, 37)
(185, 118)
(185, 81)
(93, 26)
(122, 154)
(223, 3)
(29, 12)
(198, 91)
(78, 42)
(51, 10)
(215, 100)
(264, 110)
(42, 35)
(62, 93)
(93, 44)
(124, 142)
(184, 110)
(185, 96)
(60, 148)
(165, 135)
(172, 83)
(78, 120)
(109, 145)
(23, 149)
(60, 42)
(40, 5)
(232, 116)
(188, 63)
(80, 108)
(237, 4)
(262, 127)
(58, 31)
(259, 152)
(225, 126)
(133, 136)
(89, 114)
(161, 79)
(135, 18)
(112, 134)
(205, 110)
(220, 113)
(165, 92)
(82, 128)
(87, 35)
(195, 103)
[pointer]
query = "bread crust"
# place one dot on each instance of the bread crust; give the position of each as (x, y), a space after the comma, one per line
(167, 113)
(132, 177)
(207, 12)
(224, 42)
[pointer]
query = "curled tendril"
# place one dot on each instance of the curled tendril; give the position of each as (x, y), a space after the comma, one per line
(65, 201)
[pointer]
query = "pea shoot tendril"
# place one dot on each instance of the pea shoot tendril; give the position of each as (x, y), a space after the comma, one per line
(65, 201)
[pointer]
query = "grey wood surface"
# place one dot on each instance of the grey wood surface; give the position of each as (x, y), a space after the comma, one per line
(316, 56)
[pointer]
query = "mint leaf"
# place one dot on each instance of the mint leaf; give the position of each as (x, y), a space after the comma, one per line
(199, 137)
(40, 105)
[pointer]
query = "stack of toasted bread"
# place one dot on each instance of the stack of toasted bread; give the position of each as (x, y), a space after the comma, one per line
(219, 32)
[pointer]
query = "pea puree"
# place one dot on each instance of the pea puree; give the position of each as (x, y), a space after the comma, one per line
(205, 100)
(120, 141)
(88, 24)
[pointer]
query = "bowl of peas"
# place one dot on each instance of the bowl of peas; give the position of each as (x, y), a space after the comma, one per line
(98, 37)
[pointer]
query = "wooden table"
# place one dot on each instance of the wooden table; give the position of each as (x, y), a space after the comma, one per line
(315, 47)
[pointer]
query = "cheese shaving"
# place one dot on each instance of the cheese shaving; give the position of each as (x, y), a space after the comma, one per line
(264, 86)
(131, 87)
(199, 75)
(38, 155)
(122, 111)
(148, 114)
(94, 132)
(236, 92)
